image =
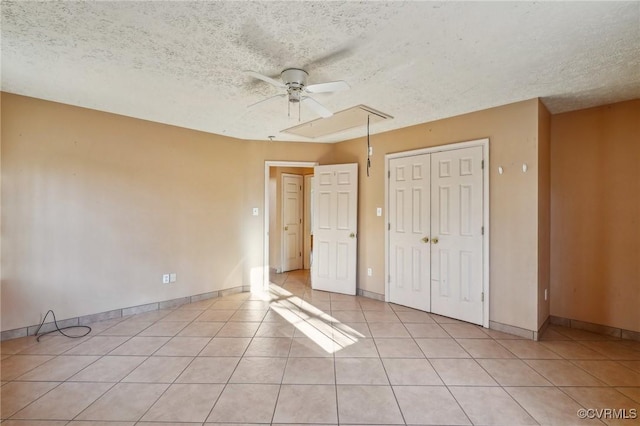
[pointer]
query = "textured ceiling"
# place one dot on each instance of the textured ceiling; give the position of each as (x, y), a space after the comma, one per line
(181, 63)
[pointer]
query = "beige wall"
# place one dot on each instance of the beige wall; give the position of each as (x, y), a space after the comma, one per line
(1, 328)
(544, 213)
(513, 133)
(275, 211)
(595, 215)
(96, 207)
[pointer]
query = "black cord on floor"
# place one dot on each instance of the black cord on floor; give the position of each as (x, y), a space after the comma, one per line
(58, 329)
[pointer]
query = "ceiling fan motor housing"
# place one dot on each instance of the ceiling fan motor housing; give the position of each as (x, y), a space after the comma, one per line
(295, 79)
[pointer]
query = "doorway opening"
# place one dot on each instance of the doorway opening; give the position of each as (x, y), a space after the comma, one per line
(287, 245)
(289, 301)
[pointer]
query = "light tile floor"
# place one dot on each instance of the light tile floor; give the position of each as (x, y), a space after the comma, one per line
(312, 357)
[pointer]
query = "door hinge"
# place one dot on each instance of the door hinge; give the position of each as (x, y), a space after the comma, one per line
(300, 255)
(389, 226)
(300, 220)
(482, 230)
(389, 279)
(482, 296)
(482, 164)
(389, 174)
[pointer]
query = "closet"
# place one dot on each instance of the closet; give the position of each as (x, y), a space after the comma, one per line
(436, 233)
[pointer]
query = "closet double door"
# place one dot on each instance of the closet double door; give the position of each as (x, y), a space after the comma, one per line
(436, 233)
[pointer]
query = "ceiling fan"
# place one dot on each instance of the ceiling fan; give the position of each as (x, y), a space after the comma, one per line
(294, 81)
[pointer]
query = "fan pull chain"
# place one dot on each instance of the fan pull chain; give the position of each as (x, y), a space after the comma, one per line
(368, 147)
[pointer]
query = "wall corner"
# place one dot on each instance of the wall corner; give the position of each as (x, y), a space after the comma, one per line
(544, 214)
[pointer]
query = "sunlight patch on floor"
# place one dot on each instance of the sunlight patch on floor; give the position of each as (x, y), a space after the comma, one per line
(324, 330)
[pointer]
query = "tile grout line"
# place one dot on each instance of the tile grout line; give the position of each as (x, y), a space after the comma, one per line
(60, 383)
(284, 370)
(436, 371)
(224, 387)
(480, 365)
(152, 354)
(189, 364)
(93, 402)
(393, 392)
(497, 382)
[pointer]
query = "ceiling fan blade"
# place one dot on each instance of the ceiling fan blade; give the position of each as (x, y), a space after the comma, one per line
(331, 57)
(269, 80)
(266, 100)
(332, 86)
(316, 107)
(261, 43)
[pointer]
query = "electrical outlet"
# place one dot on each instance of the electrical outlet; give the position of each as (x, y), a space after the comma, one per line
(370, 151)
(173, 277)
(369, 271)
(166, 278)
(379, 211)
(546, 294)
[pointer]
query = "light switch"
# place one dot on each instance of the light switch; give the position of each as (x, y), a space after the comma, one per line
(379, 211)
(256, 211)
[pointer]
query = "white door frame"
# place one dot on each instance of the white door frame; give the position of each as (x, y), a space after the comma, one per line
(484, 143)
(265, 210)
(307, 221)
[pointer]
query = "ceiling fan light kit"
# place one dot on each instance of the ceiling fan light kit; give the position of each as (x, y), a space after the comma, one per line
(294, 81)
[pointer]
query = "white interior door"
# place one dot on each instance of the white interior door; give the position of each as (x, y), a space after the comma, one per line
(335, 225)
(456, 234)
(409, 233)
(291, 222)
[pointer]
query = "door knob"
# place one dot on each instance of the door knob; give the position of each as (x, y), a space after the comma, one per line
(352, 235)
(434, 240)
(425, 240)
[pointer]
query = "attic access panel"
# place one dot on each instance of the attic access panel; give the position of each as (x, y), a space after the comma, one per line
(344, 120)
